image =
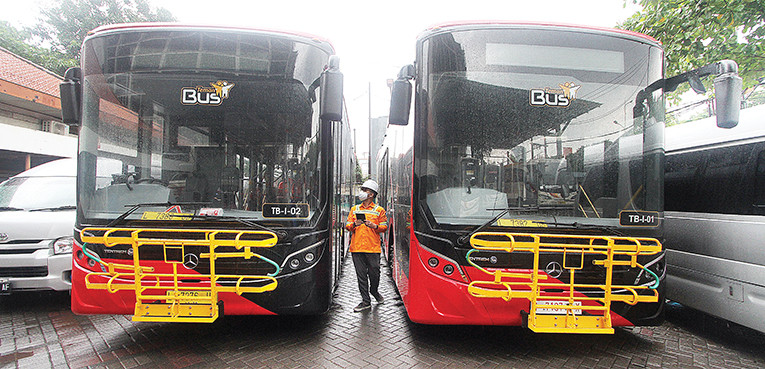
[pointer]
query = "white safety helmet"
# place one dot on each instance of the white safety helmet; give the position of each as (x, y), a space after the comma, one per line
(372, 185)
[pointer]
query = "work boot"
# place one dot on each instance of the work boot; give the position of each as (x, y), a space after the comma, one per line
(362, 306)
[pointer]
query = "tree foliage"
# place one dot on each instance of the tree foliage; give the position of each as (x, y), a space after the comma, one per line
(20, 43)
(699, 32)
(65, 23)
(54, 42)
(359, 175)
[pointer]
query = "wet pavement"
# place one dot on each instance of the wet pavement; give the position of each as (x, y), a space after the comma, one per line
(37, 330)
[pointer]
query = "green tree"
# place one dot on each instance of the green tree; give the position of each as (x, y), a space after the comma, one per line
(359, 174)
(65, 23)
(698, 32)
(54, 42)
(20, 43)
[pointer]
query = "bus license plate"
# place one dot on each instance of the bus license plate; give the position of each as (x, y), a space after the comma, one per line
(285, 211)
(504, 222)
(190, 294)
(553, 311)
(5, 286)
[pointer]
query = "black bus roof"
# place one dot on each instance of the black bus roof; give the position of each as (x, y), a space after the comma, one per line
(477, 25)
(160, 26)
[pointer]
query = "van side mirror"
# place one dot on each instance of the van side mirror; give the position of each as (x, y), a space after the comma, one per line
(401, 97)
(331, 107)
(71, 96)
(728, 99)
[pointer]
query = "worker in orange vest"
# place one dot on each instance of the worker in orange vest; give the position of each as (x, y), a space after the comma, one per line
(366, 221)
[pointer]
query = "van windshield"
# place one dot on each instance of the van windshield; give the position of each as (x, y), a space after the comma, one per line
(30, 193)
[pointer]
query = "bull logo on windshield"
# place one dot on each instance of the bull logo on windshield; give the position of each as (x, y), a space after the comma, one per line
(221, 88)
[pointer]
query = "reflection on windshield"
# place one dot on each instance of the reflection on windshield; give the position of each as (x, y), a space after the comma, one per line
(541, 137)
(37, 192)
(227, 138)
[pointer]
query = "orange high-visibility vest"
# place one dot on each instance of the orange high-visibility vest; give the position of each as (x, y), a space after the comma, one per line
(363, 238)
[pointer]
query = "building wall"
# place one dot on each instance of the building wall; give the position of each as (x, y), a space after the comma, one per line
(24, 144)
(29, 105)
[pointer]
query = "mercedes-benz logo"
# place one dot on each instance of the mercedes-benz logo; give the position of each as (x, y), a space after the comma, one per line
(190, 261)
(554, 269)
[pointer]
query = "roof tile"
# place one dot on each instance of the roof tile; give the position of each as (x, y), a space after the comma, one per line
(20, 71)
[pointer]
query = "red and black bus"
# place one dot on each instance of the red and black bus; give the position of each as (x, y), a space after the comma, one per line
(214, 172)
(526, 187)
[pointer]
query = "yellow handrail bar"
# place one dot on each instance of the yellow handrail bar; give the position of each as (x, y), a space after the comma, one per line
(181, 303)
(614, 251)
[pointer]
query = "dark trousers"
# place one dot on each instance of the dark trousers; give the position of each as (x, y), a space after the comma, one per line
(367, 273)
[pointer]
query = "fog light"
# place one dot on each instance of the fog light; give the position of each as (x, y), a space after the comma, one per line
(448, 269)
(294, 263)
(309, 257)
(91, 263)
(433, 262)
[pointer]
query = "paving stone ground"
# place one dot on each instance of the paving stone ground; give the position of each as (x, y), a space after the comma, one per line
(37, 330)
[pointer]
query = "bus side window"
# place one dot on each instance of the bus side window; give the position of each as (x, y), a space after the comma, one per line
(759, 184)
(682, 173)
(723, 193)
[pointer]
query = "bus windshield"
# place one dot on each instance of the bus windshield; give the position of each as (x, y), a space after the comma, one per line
(540, 124)
(208, 123)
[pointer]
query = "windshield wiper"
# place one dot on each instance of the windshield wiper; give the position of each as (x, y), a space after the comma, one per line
(245, 221)
(464, 239)
(577, 225)
(519, 209)
(9, 208)
(56, 208)
(135, 207)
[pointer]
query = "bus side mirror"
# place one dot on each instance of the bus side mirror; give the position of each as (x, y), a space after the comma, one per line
(71, 96)
(401, 97)
(331, 108)
(727, 89)
(727, 99)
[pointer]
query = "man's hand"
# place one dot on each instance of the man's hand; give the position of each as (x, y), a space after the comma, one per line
(370, 224)
(358, 222)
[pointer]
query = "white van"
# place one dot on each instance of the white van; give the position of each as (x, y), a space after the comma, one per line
(37, 214)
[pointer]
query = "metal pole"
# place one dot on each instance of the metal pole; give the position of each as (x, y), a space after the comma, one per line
(369, 170)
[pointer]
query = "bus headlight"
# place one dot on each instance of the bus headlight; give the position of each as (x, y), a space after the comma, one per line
(309, 257)
(294, 263)
(63, 245)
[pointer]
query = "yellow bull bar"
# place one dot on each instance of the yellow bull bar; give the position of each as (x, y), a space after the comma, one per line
(551, 312)
(175, 302)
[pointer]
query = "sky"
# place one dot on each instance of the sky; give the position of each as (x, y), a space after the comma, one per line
(373, 39)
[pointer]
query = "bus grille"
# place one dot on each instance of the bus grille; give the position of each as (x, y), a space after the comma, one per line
(573, 306)
(167, 296)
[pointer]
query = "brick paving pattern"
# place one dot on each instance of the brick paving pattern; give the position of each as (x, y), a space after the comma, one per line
(38, 331)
